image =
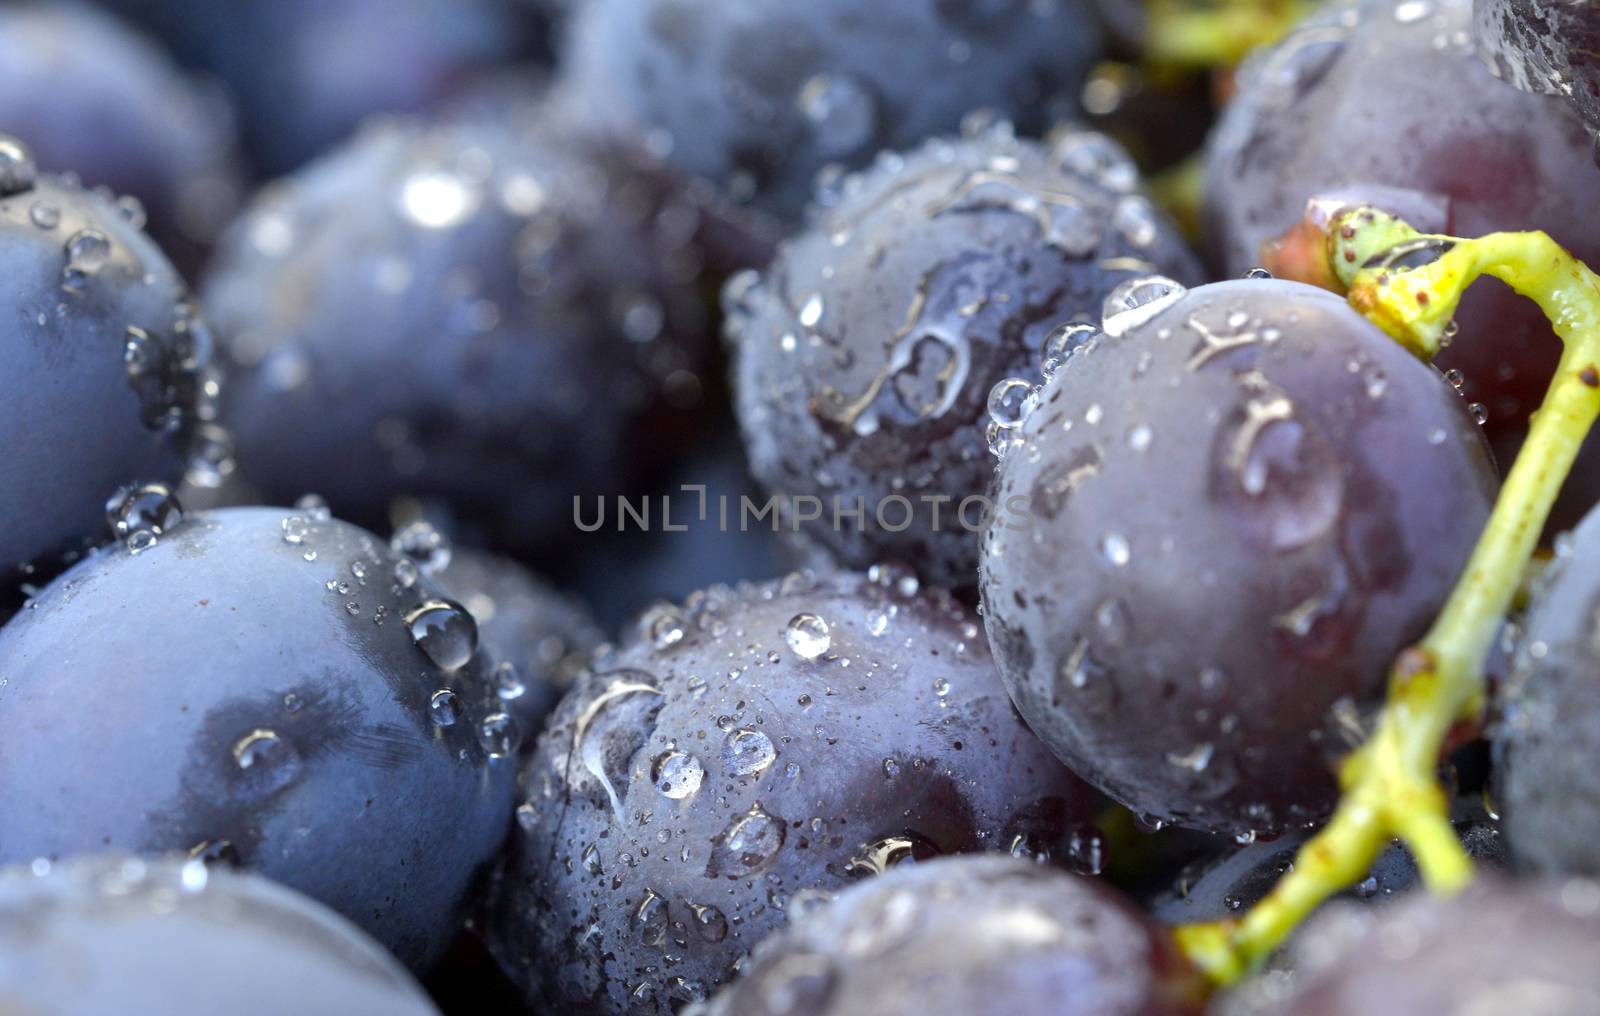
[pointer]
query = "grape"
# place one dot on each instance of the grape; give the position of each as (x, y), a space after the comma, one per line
(1549, 734)
(760, 95)
(1237, 513)
(1545, 46)
(867, 355)
(758, 745)
(1499, 947)
(1390, 94)
(967, 936)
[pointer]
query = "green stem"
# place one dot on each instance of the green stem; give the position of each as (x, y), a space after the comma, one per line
(1189, 33)
(1389, 784)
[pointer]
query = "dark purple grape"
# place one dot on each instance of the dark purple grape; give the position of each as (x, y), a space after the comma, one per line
(1385, 94)
(1548, 734)
(761, 744)
(966, 937)
(1544, 46)
(1499, 947)
(761, 95)
(1219, 525)
(865, 357)
(113, 933)
(496, 314)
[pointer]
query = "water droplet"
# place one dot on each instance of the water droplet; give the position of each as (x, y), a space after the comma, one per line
(17, 168)
(313, 507)
(44, 215)
(1135, 219)
(811, 310)
(1411, 11)
(424, 545)
(807, 635)
(1061, 343)
(508, 682)
(1095, 157)
(1139, 437)
(211, 458)
(879, 617)
(748, 844)
(747, 752)
(1009, 401)
(266, 762)
(1135, 301)
(1479, 411)
(295, 529)
(652, 918)
(444, 708)
(842, 113)
(710, 922)
(1377, 384)
(498, 735)
(662, 625)
(405, 573)
(896, 578)
(1195, 760)
(677, 774)
(437, 199)
(1257, 273)
(1114, 547)
(879, 856)
(444, 631)
(1086, 850)
(138, 515)
(87, 252)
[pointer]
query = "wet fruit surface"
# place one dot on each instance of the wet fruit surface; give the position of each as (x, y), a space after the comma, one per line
(866, 354)
(117, 933)
(1549, 725)
(954, 935)
(108, 365)
(1500, 947)
(267, 686)
(758, 746)
(474, 310)
(1243, 502)
(1391, 94)
(761, 96)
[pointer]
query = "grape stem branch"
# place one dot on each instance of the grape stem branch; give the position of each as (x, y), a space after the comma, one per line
(1189, 33)
(1389, 785)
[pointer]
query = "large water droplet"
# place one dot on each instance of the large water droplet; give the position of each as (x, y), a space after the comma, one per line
(499, 735)
(1135, 301)
(748, 844)
(652, 918)
(87, 253)
(444, 631)
(1009, 402)
(807, 635)
(747, 752)
(444, 708)
(139, 515)
(710, 922)
(677, 774)
(17, 168)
